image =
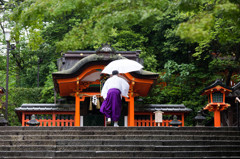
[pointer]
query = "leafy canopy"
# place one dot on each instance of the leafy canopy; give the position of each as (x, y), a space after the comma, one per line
(215, 25)
(92, 22)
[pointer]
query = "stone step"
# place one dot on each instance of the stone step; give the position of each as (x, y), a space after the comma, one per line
(119, 142)
(129, 154)
(120, 132)
(102, 128)
(106, 157)
(117, 137)
(120, 148)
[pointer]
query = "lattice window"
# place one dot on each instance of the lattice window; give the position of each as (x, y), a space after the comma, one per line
(217, 97)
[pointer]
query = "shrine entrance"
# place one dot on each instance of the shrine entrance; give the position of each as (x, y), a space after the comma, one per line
(91, 116)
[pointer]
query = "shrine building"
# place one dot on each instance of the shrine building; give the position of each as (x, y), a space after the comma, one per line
(79, 81)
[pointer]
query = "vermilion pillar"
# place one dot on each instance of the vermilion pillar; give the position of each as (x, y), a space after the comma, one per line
(54, 119)
(131, 111)
(182, 119)
(23, 119)
(217, 119)
(77, 110)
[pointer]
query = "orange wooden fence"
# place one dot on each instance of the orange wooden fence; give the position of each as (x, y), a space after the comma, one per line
(50, 118)
(147, 119)
(67, 119)
(151, 123)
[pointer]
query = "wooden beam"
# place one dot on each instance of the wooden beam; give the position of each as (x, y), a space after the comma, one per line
(86, 94)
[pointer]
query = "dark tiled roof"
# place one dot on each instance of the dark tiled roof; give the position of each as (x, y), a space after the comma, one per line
(70, 58)
(71, 107)
(46, 107)
(89, 59)
(162, 107)
(99, 59)
(216, 83)
(94, 59)
(36, 107)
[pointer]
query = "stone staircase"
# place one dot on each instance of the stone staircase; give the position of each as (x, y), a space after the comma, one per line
(119, 142)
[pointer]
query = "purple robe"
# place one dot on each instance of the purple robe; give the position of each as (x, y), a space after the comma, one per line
(111, 106)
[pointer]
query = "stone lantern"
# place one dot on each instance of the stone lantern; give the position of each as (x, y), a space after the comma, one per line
(216, 100)
(33, 121)
(3, 121)
(199, 119)
(175, 122)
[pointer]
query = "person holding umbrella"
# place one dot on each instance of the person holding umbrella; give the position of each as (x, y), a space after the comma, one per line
(113, 89)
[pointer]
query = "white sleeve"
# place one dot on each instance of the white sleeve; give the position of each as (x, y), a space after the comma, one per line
(125, 88)
(104, 91)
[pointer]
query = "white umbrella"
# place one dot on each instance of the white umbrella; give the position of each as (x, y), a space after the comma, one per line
(122, 66)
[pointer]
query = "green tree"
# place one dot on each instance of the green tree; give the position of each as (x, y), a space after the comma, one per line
(215, 27)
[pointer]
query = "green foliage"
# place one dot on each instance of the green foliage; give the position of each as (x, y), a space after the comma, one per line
(214, 22)
(18, 96)
(101, 18)
(183, 71)
(155, 96)
(150, 61)
(47, 93)
(176, 77)
(127, 40)
(220, 65)
(236, 78)
(163, 42)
